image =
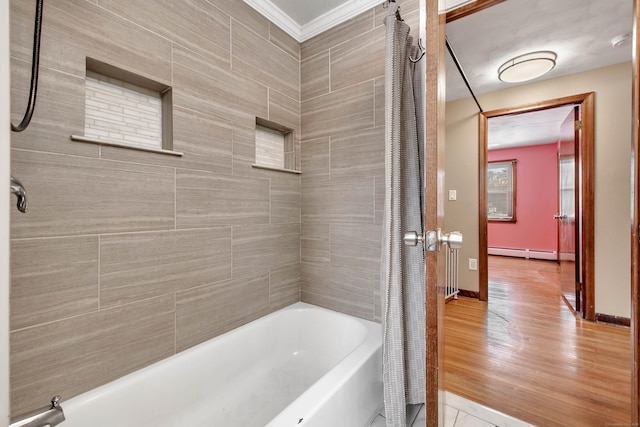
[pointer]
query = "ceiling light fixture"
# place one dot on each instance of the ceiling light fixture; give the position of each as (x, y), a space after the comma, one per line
(527, 67)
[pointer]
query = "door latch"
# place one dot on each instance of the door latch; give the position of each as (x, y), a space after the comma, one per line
(432, 241)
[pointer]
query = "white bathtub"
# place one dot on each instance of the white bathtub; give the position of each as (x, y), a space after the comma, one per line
(300, 366)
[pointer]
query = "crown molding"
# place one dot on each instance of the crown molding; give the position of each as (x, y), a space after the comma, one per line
(322, 23)
(273, 13)
(336, 16)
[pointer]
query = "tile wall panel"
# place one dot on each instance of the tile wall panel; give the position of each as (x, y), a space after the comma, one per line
(264, 62)
(338, 112)
(338, 34)
(209, 200)
(366, 238)
(192, 24)
(208, 311)
(366, 147)
(316, 160)
(349, 66)
(284, 41)
(315, 78)
(284, 286)
(285, 201)
(284, 110)
(206, 143)
(139, 266)
(339, 289)
(77, 354)
(343, 162)
(315, 243)
(72, 195)
(264, 247)
(119, 235)
(147, 204)
(200, 85)
(52, 279)
(246, 15)
(61, 96)
(73, 30)
(341, 201)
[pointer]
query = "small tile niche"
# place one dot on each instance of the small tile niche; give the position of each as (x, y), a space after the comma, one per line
(276, 148)
(126, 110)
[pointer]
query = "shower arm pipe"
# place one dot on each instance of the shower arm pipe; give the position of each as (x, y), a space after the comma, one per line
(35, 65)
(462, 74)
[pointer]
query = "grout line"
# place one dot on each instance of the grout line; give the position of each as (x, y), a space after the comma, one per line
(99, 271)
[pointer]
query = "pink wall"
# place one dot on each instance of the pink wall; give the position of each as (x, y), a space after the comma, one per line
(537, 200)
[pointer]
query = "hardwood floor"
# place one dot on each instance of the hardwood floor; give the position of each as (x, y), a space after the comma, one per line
(525, 354)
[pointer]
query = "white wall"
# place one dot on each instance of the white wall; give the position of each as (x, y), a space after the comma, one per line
(612, 87)
(4, 214)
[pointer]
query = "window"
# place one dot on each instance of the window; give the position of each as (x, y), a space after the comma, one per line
(501, 191)
(567, 187)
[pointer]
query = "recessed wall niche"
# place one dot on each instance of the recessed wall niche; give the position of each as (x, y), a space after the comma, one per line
(126, 110)
(276, 147)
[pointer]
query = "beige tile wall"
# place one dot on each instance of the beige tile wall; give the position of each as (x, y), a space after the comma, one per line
(128, 257)
(342, 93)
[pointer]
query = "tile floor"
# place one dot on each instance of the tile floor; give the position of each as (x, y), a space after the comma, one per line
(459, 412)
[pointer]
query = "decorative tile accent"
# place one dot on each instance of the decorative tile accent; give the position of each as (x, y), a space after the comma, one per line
(121, 112)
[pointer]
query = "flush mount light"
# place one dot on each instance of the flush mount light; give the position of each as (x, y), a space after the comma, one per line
(527, 67)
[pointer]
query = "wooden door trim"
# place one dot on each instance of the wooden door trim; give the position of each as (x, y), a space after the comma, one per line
(587, 153)
(635, 245)
(471, 8)
(434, 215)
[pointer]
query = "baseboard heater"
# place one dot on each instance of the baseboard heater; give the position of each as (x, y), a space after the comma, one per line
(524, 253)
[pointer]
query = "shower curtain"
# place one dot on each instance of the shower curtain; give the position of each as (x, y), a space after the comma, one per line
(403, 268)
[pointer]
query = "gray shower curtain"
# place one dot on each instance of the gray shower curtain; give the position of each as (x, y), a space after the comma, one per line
(403, 269)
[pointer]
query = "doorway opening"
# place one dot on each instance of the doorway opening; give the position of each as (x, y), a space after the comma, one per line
(576, 226)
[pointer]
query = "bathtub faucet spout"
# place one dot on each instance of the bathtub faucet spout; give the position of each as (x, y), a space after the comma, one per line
(50, 415)
(18, 189)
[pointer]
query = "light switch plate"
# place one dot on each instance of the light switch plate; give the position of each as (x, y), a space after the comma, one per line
(473, 264)
(452, 195)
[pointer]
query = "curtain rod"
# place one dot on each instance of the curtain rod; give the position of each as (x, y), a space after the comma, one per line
(462, 74)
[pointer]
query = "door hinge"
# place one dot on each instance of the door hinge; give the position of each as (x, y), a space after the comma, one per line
(578, 124)
(578, 286)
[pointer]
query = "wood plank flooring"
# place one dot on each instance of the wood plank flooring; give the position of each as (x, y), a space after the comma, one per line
(525, 354)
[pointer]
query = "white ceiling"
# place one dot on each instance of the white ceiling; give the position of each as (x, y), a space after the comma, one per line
(579, 31)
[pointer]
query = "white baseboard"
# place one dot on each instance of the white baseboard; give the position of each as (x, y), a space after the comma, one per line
(524, 253)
